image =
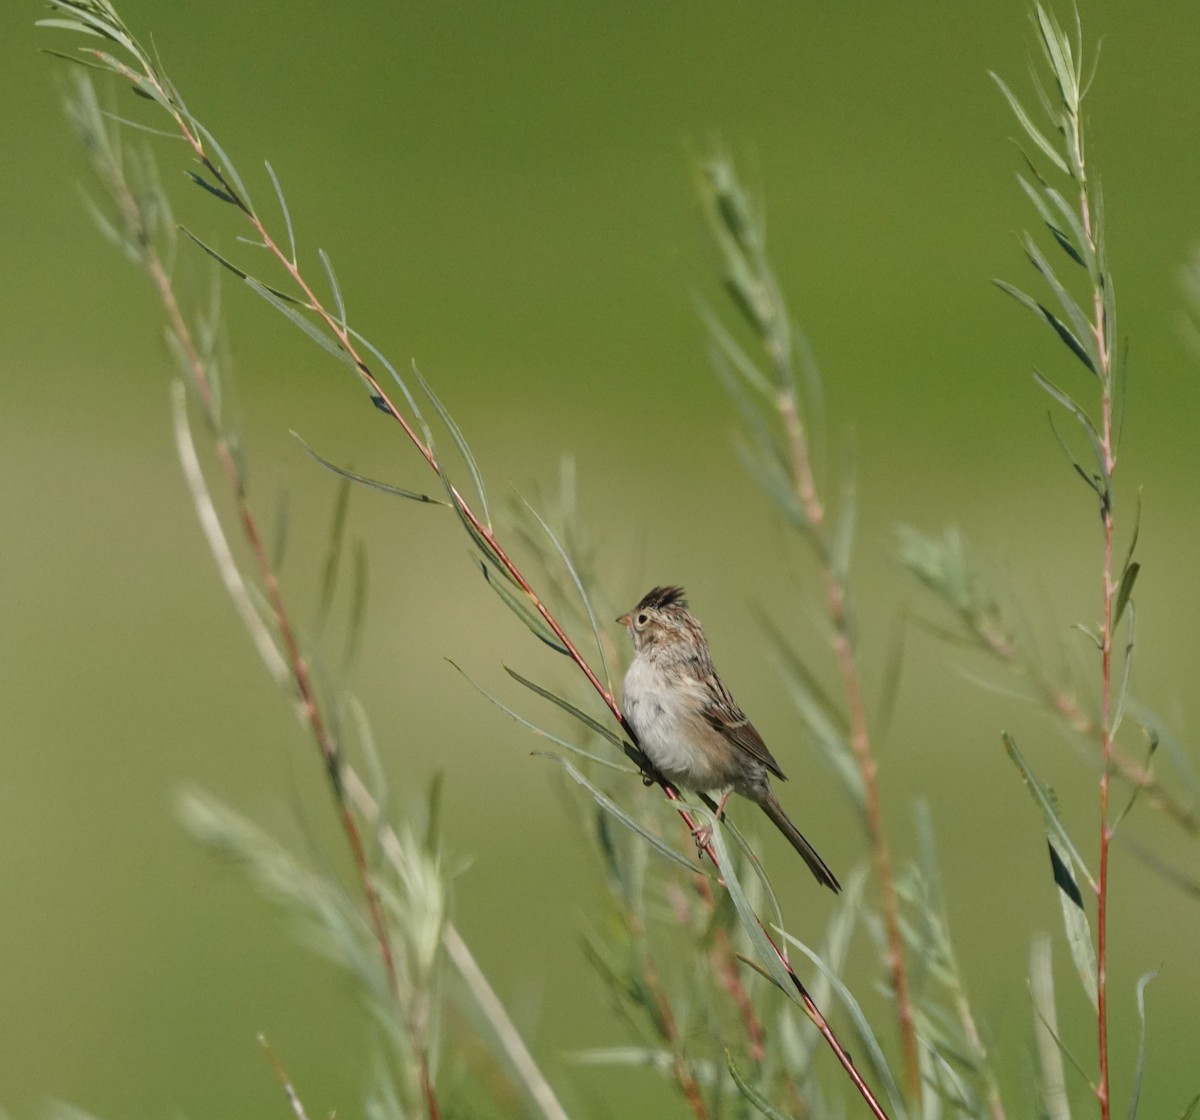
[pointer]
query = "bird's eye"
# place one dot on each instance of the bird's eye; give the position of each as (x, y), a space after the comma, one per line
(643, 618)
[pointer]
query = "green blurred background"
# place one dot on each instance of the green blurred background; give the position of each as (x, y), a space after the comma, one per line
(505, 190)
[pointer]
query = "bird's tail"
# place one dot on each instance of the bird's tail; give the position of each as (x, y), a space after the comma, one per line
(783, 822)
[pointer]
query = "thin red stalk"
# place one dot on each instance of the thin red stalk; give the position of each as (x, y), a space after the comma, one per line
(723, 958)
(1100, 332)
(669, 1029)
(299, 667)
(301, 675)
(427, 1091)
(860, 736)
(342, 334)
(818, 1019)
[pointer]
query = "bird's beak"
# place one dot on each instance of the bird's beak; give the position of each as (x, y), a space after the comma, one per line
(624, 620)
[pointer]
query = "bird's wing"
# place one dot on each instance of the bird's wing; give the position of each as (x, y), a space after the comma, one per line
(721, 712)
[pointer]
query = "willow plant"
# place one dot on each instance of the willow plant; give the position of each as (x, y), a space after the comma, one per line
(1075, 298)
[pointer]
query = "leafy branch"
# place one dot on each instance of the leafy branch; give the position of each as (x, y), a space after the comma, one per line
(326, 323)
(136, 219)
(777, 397)
(1087, 329)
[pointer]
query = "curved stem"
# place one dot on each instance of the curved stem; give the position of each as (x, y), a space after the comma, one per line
(483, 532)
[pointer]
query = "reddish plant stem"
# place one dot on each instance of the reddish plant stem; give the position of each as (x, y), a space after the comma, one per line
(485, 533)
(1108, 449)
(860, 736)
(1102, 1089)
(669, 1030)
(296, 662)
(301, 675)
(427, 1090)
(723, 958)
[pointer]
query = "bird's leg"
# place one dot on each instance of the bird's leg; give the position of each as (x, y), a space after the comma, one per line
(703, 834)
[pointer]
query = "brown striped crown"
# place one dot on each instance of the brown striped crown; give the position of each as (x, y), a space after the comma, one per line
(660, 598)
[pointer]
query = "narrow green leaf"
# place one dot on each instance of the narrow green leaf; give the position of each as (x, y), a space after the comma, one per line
(1064, 860)
(1080, 325)
(375, 484)
(540, 731)
(127, 122)
(227, 169)
(1128, 579)
(736, 354)
(1064, 878)
(283, 206)
(568, 707)
(142, 87)
(822, 715)
(632, 1057)
(1052, 320)
(482, 541)
(1071, 219)
(1076, 410)
(1063, 237)
(1097, 482)
(126, 244)
(1138, 786)
(770, 899)
(334, 287)
(874, 1051)
(772, 478)
(314, 331)
(460, 442)
(747, 918)
(382, 359)
(1137, 524)
(750, 1093)
(1057, 48)
(1140, 1065)
(579, 588)
(69, 25)
(1122, 698)
(1031, 130)
(108, 29)
(1048, 803)
(240, 273)
(1075, 922)
(613, 809)
(518, 603)
(77, 59)
(216, 191)
(1021, 297)
(1091, 632)
(1053, 1096)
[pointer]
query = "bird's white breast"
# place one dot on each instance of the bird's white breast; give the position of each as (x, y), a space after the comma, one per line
(665, 713)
